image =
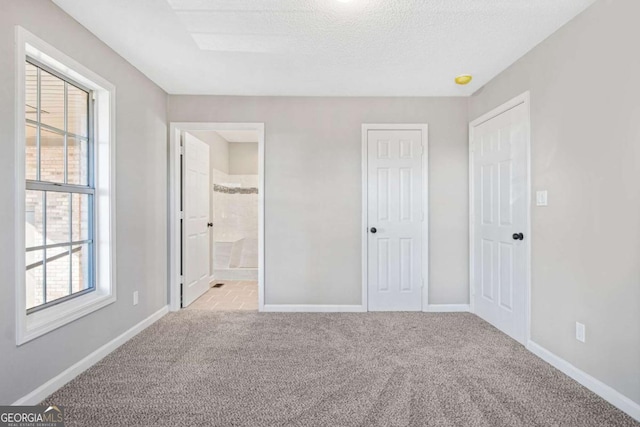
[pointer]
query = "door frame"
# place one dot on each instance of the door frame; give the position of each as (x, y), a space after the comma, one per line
(366, 127)
(174, 181)
(522, 99)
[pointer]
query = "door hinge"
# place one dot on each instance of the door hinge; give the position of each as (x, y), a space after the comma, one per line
(181, 215)
(181, 150)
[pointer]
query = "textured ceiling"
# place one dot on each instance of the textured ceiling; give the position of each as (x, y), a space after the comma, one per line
(322, 47)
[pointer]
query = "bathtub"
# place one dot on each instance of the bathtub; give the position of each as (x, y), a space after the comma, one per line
(235, 260)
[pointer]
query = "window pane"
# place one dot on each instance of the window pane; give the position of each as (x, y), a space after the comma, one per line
(34, 282)
(31, 91)
(51, 156)
(57, 152)
(80, 268)
(31, 153)
(34, 231)
(51, 100)
(58, 270)
(80, 217)
(78, 161)
(58, 220)
(34, 258)
(77, 111)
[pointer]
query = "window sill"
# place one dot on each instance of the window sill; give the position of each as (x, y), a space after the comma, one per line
(44, 321)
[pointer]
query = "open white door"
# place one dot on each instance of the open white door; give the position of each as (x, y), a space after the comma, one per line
(195, 191)
(395, 217)
(499, 218)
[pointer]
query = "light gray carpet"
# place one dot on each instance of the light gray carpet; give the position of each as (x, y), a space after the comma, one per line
(199, 368)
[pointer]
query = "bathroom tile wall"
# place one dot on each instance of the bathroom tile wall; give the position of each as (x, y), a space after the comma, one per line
(235, 219)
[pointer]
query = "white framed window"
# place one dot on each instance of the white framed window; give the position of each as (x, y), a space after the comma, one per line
(65, 192)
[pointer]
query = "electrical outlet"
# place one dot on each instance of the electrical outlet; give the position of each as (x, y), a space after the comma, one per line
(135, 298)
(542, 198)
(581, 333)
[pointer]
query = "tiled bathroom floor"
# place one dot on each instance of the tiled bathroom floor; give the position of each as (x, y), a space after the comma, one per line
(233, 295)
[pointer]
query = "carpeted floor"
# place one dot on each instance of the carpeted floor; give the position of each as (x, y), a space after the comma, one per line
(202, 368)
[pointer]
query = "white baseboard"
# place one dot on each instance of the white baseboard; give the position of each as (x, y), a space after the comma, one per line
(612, 396)
(319, 308)
(313, 308)
(46, 389)
(447, 308)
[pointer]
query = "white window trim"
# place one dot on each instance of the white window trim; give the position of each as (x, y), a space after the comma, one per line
(43, 321)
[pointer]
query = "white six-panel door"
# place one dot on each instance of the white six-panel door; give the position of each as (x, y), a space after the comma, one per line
(395, 216)
(196, 246)
(499, 149)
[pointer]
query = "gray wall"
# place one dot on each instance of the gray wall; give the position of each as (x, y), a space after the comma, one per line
(313, 188)
(585, 120)
(141, 201)
(243, 158)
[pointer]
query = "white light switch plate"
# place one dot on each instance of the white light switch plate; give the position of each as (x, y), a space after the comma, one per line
(580, 332)
(541, 198)
(135, 298)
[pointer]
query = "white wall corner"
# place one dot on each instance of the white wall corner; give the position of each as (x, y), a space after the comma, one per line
(609, 394)
(55, 383)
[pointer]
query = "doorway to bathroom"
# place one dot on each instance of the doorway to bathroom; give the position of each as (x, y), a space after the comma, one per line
(216, 203)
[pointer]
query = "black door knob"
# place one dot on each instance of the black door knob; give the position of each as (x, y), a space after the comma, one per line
(518, 236)
(209, 224)
(374, 230)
